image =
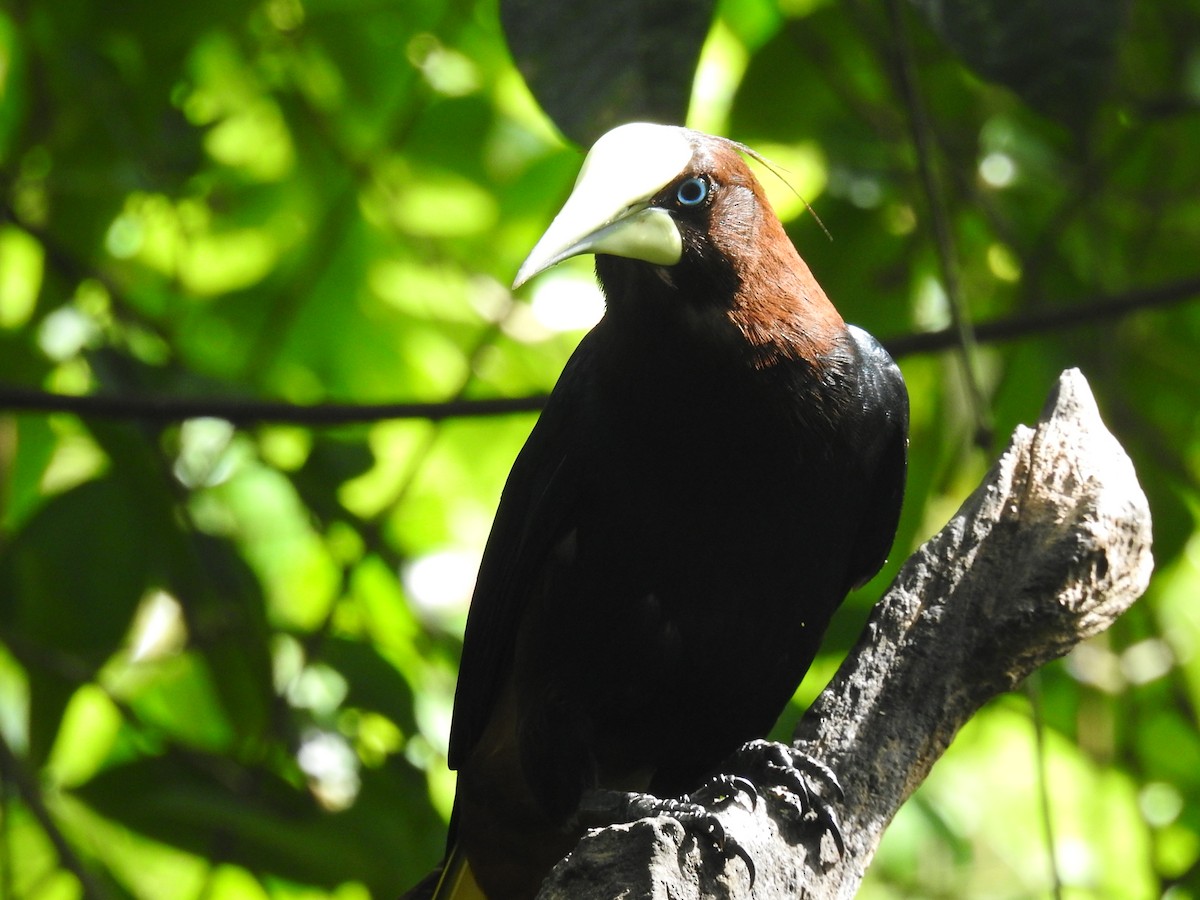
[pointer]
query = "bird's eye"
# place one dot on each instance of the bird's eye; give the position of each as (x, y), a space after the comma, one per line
(692, 192)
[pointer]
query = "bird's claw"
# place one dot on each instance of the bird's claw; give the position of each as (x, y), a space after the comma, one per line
(690, 811)
(729, 848)
(803, 788)
(721, 790)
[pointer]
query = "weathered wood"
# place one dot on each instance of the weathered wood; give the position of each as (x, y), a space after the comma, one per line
(1049, 550)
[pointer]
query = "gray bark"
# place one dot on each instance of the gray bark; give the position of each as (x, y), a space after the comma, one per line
(1048, 550)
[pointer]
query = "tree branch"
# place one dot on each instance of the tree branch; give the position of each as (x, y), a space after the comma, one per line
(11, 769)
(1049, 550)
(1089, 312)
(163, 409)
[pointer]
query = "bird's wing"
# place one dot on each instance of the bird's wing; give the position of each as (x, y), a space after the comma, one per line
(537, 508)
(884, 449)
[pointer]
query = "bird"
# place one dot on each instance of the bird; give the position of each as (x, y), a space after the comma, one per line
(721, 461)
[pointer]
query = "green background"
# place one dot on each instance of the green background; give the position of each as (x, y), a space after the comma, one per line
(227, 654)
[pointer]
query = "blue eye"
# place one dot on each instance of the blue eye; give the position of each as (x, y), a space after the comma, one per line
(692, 192)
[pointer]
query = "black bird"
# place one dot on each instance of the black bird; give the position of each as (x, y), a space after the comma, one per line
(722, 460)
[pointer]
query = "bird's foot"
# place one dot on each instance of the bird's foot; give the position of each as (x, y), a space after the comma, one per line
(802, 789)
(697, 815)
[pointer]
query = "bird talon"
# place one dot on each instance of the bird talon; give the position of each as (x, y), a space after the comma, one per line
(834, 830)
(727, 846)
(724, 789)
(604, 807)
(801, 787)
(737, 850)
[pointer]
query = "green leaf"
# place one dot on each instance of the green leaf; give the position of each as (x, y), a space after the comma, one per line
(330, 463)
(35, 443)
(1056, 54)
(594, 64)
(227, 614)
(374, 683)
(190, 801)
(72, 578)
(70, 582)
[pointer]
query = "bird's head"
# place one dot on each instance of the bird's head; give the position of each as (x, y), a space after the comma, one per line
(657, 194)
(673, 212)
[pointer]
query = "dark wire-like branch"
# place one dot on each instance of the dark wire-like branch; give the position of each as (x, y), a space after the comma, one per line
(12, 771)
(1100, 309)
(257, 412)
(1033, 692)
(164, 410)
(966, 343)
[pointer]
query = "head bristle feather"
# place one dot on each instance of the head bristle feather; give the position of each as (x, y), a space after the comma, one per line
(778, 171)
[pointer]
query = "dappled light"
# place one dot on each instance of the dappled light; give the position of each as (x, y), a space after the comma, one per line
(228, 645)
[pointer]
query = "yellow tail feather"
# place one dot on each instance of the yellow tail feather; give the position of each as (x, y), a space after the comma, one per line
(458, 881)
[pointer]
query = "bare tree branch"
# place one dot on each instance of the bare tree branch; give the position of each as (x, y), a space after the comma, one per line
(1049, 550)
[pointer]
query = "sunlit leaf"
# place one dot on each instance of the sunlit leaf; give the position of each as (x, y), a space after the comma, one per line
(21, 261)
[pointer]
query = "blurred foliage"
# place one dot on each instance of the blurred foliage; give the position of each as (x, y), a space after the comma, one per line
(635, 53)
(227, 655)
